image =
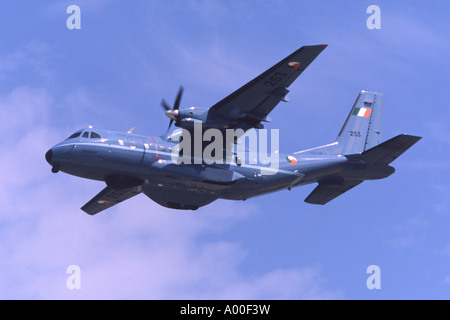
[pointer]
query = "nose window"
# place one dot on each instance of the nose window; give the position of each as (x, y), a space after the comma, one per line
(95, 135)
(75, 135)
(86, 134)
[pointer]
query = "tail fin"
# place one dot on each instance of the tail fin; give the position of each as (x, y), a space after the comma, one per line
(360, 140)
(362, 129)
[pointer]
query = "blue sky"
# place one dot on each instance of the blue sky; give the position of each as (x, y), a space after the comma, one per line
(113, 73)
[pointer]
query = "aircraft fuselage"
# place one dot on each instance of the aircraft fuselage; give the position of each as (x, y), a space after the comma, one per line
(120, 157)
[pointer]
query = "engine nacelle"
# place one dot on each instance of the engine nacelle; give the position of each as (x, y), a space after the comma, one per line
(191, 114)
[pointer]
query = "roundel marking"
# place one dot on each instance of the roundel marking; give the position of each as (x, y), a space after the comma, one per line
(291, 160)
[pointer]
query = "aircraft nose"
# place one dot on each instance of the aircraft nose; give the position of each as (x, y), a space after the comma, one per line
(49, 156)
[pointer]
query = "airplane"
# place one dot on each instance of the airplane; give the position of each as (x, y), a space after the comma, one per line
(131, 164)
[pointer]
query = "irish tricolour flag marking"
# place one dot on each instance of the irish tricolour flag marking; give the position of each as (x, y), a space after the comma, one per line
(362, 112)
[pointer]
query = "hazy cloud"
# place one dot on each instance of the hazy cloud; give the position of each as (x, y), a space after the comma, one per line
(135, 250)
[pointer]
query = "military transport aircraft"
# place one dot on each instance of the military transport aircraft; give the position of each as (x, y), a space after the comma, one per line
(131, 164)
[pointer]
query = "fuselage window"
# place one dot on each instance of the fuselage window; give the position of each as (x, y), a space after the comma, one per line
(95, 135)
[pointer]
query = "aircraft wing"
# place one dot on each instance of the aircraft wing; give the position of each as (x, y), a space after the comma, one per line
(325, 192)
(248, 106)
(109, 197)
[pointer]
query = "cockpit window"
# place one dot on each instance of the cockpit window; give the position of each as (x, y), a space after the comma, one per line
(85, 134)
(75, 135)
(95, 135)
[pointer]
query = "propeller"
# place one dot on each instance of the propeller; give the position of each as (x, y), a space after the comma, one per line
(173, 112)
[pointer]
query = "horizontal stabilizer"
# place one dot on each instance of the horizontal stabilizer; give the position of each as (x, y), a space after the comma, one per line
(109, 197)
(389, 150)
(325, 192)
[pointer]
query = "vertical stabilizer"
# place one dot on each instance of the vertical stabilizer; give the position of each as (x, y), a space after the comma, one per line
(362, 129)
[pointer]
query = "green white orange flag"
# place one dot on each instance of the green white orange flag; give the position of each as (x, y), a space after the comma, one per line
(362, 112)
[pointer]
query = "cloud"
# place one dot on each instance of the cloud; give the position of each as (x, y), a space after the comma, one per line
(441, 203)
(409, 234)
(438, 131)
(31, 59)
(447, 281)
(300, 283)
(208, 8)
(136, 250)
(58, 8)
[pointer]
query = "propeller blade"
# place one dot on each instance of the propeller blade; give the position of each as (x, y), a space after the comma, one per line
(165, 105)
(176, 105)
(173, 113)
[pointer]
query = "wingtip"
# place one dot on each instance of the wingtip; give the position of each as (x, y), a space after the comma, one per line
(411, 136)
(322, 45)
